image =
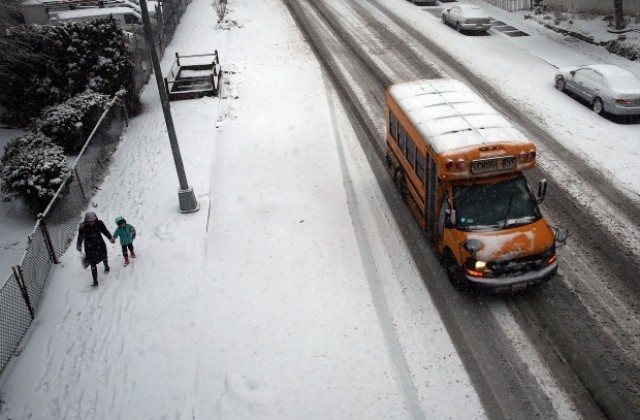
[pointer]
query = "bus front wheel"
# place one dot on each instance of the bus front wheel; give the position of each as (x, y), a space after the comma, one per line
(455, 273)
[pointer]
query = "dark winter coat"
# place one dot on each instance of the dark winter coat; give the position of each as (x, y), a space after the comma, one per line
(95, 248)
(126, 234)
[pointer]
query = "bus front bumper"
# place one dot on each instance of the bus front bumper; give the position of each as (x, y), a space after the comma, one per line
(517, 281)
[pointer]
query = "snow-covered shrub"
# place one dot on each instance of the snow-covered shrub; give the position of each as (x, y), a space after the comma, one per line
(33, 167)
(79, 56)
(70, 123)
(629, 48)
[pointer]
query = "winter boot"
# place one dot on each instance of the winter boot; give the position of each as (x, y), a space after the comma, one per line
(126, 260)
(94, 273)
(133, 253)
(106, 267)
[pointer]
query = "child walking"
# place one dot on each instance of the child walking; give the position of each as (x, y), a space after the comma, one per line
(127, 234)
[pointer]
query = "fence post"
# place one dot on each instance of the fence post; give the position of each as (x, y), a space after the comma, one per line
(75, 171)
(124, 95)
(17, 273)
(47, 240)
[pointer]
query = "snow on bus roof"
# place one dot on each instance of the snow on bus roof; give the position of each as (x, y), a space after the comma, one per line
(450, 116)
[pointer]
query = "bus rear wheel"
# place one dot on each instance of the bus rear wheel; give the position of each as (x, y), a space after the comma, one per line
(455, 273)
(398, 180)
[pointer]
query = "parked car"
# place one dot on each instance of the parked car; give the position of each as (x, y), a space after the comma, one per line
(424, 2)
(607, 88)
(466, 17)
(124, 16)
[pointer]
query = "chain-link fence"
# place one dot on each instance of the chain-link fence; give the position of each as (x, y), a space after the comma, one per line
(55, 229)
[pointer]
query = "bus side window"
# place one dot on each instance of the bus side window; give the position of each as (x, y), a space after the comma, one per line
(393, 126)
(420, 167)
(411, 152)
(402, 139)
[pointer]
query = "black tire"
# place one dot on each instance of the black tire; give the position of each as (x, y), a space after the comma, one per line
(458, 27)
(561, 85)
(401, 186)
(598, 106)
(444, 20)
(455, 273)
(387, 161)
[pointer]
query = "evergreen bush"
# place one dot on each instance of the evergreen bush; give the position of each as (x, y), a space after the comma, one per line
(33, 167)
(70, 123)
(79, 56)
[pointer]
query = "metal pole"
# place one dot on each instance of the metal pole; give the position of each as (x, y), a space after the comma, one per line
(187, 198)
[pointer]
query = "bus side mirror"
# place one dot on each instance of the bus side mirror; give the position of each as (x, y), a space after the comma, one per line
(542, 190)
(561, 235)
(450, 218)
(472, 245)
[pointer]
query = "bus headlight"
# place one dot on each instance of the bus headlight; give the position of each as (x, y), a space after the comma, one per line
(478, 268)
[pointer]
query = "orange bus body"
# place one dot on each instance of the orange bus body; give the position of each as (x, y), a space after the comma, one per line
(459, 166)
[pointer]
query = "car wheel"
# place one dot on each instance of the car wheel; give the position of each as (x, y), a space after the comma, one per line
(560, 84)
(455, 273)
(398, 180)
(598, 106)
(444, 20)
(458, 27)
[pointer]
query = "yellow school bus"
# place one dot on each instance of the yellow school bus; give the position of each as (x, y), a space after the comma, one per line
(458, 165)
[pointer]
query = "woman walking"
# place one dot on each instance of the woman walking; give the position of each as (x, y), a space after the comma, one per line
(95, 250)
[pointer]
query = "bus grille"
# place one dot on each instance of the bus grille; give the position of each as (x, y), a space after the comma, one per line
(521, 265)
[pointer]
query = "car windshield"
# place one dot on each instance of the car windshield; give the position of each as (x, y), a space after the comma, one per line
(495, 206)
(624, 82)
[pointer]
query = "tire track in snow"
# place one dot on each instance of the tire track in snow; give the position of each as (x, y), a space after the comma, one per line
(398, 360)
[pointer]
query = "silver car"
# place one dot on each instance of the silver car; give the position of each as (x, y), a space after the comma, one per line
(607, 88)
(466, 17)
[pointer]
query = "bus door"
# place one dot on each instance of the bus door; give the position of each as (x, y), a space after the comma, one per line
(431, 197)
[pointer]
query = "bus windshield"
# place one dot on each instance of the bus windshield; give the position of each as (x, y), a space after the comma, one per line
(495, 206)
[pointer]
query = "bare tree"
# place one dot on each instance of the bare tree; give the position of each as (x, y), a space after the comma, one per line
(220, 6)
(618, 13)
(15, 49)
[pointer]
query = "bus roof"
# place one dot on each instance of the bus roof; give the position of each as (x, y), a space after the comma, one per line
(450, 116)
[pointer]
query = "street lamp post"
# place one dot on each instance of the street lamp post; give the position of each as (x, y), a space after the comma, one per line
(186, 196)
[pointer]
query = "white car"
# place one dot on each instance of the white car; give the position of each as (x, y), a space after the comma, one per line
(466, 17)
(607, 88)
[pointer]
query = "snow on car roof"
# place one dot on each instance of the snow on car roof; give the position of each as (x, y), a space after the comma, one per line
(469, 7)
(610, 70)
(450, 116)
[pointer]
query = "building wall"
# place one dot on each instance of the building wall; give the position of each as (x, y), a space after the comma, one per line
(630, 7)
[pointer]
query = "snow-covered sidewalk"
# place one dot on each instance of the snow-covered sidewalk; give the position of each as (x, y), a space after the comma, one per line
(278, 299)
